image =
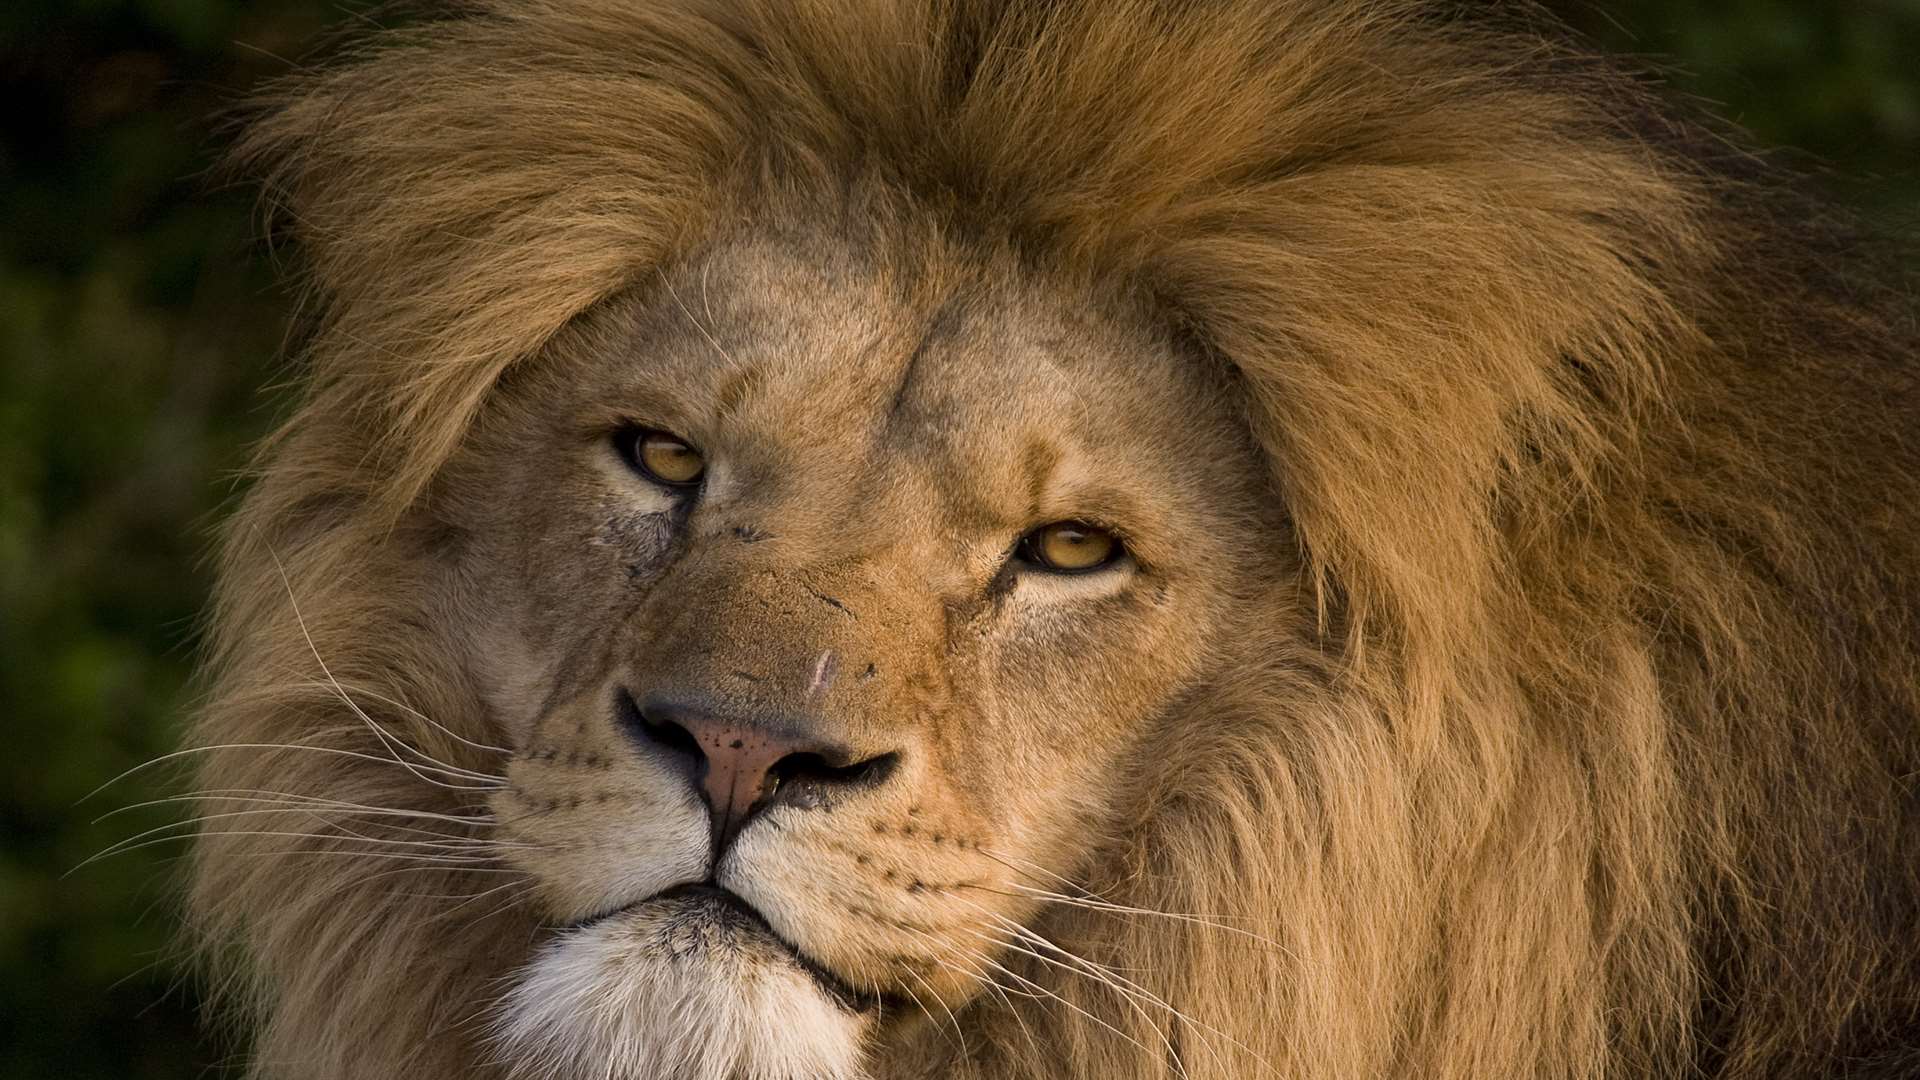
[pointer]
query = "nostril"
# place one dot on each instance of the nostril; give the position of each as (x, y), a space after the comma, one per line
(655, 731)
(820, 769)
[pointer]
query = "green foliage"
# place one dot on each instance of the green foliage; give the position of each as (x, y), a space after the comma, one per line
(1834, 81)
(138, 321)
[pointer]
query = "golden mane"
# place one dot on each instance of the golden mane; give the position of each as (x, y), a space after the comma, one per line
(1601, 457)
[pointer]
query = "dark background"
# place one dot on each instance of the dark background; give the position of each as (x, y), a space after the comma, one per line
(140, 322)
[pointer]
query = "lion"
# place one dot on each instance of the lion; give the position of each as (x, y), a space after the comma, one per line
(880, 539)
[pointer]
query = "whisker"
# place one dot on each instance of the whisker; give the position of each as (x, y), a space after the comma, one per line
(1026, 866)
(1102, 977)
(453, 864)
(1109, 976)
(519, 890)
(485, 842)
(1003, 993)
(386, 738)
(365, 691)
(293, 799)
(394, 743)
(963, 961)
(443, 872)
(126, 846)
(495, 785)
(1044, 992)
(1025, 892)
(697, 325)
(429, 868)
(391, 739)
(1130, 992)
(1094, 901)
(959, 1036)
(191, 824)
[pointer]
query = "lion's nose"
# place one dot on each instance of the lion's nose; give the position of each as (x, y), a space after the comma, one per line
(743, 766)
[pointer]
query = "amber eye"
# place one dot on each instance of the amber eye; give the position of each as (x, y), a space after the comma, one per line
(1070, 547)
(663, 458)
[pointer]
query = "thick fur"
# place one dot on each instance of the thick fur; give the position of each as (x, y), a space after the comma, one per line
(1586, 744)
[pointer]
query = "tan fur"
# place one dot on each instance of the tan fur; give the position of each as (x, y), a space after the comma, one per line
(1531, 686)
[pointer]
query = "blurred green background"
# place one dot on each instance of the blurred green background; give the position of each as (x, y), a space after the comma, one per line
(140, 322)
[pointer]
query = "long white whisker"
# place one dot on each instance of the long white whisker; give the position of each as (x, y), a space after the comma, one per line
(959, 1036)
(453, 863)
(1094, 901)
(697, 325)
(1130, 997)
(386, 738)
(437, 839)
(1129, 991)
(1109, 975)
(954, 956)
(471, 844)
(186, 830)
(1025, 866)
(423, 717)
(520, 889)
(1043, 991)
(293, 799)
(124, 847)
(164, 758)
(391, 740)
(1124, 909)
(182, 830)
(351, 692)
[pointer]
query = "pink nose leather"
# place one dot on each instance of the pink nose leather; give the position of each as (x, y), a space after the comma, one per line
(743, 765)
(738, 772)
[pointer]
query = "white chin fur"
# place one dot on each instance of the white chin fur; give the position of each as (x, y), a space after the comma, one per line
(670, 991)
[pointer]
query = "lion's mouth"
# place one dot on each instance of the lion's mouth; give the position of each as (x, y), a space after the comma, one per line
(727, 912)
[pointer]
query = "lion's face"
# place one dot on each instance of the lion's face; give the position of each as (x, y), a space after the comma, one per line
(812, 710)
(1122, 540)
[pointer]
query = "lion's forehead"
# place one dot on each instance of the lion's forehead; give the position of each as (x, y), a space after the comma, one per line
(967, 394)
